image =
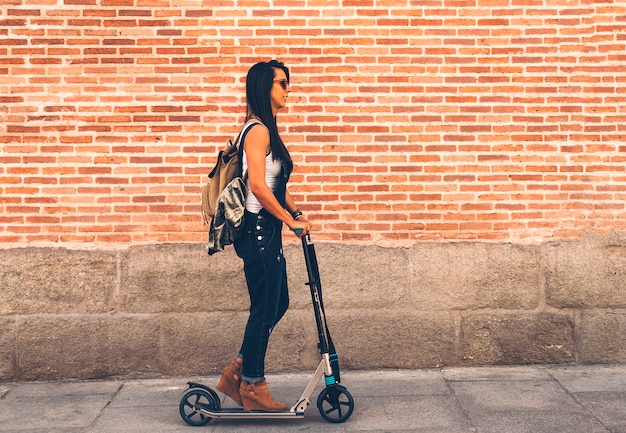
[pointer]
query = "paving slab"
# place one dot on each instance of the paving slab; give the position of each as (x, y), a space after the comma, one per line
(520, 421)
(601, 389)
(607, 407)
(50, 406)
(513, 395)
(590, 377)
(495, 373)
(396, 382)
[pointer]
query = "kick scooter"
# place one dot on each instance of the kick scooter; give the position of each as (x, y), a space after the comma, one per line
(200, 404)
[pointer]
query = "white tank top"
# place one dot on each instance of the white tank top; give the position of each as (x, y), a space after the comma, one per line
(272, 174)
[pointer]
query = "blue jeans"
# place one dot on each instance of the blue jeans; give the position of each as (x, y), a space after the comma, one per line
(261, 249)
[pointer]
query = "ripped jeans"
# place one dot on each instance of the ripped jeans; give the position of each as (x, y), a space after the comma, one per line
(260, 247)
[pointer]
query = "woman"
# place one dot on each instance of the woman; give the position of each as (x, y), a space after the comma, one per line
(268, 206)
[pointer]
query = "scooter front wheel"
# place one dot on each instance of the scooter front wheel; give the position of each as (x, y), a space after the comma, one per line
(192, 401)
(335, 404)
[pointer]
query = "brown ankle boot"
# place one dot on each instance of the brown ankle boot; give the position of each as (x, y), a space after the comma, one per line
(230, 380)
(256, 396)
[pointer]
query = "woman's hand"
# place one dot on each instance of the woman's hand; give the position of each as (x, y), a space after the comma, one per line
(301, 227)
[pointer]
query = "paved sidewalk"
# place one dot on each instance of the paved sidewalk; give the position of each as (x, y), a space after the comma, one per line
(534, 399)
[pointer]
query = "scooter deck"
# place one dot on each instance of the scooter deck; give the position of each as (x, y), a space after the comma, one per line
(239, 413)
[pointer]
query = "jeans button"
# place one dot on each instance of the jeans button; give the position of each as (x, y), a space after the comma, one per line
(259, 238)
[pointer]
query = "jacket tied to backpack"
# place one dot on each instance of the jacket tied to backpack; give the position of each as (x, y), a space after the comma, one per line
(224, 197)
(228, 220)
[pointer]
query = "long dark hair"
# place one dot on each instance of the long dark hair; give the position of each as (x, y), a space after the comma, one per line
(259, 84)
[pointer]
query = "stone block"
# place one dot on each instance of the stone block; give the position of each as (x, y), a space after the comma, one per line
(522, 338)
(393, 339)
(181, 278)
(200, 343)
(8, 348)
(86, 347)
(352, 276)
(586, 274)
(603, 337)
(475, 276)
(56, 281)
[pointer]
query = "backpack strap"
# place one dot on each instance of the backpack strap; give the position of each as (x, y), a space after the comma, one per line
(239, 144)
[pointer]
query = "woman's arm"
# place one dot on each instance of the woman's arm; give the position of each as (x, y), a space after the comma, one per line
(292, 207)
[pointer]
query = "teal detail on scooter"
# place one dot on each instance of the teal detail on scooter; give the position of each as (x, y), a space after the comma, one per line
(330, 380)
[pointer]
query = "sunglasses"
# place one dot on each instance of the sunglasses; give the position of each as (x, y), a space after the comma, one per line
(283, 83)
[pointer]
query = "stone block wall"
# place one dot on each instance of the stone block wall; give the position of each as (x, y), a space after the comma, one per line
(172, 310)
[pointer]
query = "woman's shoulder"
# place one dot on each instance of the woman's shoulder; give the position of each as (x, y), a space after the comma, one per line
(257, 127)
(258, 137)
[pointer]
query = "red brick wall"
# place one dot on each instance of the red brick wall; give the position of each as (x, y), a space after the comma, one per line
(409, 120)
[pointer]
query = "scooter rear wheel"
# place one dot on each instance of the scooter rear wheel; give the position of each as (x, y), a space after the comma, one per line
(335, 404)
(197, 399)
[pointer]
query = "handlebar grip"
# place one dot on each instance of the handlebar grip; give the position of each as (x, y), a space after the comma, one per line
(298, 231)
